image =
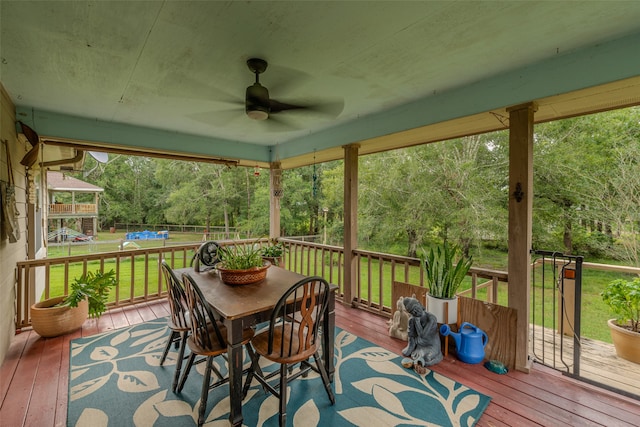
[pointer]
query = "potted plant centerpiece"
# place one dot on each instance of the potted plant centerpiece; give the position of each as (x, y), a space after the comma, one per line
(241, 264)
(623, 297)
(64, 314)
(444, 275)
(273, 253)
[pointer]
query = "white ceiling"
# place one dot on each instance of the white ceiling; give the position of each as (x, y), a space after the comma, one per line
(179, 66)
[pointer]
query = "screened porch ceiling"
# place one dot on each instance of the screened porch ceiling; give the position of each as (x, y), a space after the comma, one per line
(169, 77)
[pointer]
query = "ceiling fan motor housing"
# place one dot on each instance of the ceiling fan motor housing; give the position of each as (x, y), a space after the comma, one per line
(257, 102)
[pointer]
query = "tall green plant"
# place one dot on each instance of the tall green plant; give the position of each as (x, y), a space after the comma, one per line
(95, 288)
(240, 256)
(623, 297)
(443, 274)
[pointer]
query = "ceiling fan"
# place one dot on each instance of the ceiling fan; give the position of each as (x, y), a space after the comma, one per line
(259, 106)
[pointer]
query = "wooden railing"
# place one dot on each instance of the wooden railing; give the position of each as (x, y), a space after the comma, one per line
(376, 273)
(137, 271)
(140, 279)
(72, 209)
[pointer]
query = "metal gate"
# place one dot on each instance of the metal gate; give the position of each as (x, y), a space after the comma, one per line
(556, 290)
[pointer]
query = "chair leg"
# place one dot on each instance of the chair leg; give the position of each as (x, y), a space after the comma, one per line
(325, 378)
(252, 371)
(172, 337)
(205, 391)
(176, 375)
(192, 356)
(282, 417)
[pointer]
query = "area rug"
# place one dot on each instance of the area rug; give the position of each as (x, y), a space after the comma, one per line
(116, 380)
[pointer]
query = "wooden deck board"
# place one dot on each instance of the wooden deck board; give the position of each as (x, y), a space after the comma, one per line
(33, 393)
(598, 360)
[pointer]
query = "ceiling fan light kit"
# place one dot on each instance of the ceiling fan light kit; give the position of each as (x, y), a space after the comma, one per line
(257, 104)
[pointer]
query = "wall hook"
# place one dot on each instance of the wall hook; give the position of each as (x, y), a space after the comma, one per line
(518, 194)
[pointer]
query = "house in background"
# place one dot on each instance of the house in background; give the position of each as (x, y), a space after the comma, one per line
(72, 204)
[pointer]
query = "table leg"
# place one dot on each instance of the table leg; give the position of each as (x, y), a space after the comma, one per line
(235, 352)
(328, 335)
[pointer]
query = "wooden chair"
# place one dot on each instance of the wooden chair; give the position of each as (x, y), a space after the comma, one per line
(208, 338)
(178, 322)
(291, 338)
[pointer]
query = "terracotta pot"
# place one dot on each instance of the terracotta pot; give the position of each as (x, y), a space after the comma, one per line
(50, 321)
(626, 342)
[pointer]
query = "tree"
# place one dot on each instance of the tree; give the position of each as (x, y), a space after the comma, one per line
(577, 165)
(131, 193)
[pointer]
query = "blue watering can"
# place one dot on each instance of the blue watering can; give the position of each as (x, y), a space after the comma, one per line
(470, 342)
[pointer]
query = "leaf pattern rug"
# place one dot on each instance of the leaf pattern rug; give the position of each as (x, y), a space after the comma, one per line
(116, 380)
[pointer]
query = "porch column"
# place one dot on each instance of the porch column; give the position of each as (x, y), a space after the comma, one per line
(350, 221)
(520, 219)
(275, 186)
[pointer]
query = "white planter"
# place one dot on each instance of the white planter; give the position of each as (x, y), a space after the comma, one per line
(436, 306)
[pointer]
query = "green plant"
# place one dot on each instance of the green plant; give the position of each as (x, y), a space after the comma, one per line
(443, 274)
(623, 297)
(240, 257)
(274, 250)
(95, 288)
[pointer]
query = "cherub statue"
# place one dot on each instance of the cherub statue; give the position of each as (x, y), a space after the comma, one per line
(400, 321)
(424, 340)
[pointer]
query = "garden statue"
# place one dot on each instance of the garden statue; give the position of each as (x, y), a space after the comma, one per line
(424, 341)
(399, 323)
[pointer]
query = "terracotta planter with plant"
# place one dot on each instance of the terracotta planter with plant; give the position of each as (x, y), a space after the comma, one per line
(273, 253)
(623, 297)
(64, 314)
(444, 274)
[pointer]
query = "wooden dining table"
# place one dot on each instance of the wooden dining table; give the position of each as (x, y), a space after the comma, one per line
(245, 306)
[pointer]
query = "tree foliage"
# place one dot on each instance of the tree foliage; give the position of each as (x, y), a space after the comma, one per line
(586, 192)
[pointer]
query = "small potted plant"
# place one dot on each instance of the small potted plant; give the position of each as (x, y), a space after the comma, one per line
(623, 297)
(241, 264)
(64, 314)
(444, 274)
(273, 253)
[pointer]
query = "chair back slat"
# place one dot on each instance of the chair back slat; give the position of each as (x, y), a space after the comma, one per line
(176, 297)
(297, 317)
(204, 326)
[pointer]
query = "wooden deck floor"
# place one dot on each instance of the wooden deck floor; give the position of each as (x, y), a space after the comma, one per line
(598, 360)
(34, 379)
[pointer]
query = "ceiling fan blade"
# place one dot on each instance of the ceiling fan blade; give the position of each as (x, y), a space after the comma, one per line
(283, 80)
(277, 106)
(327, 108)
